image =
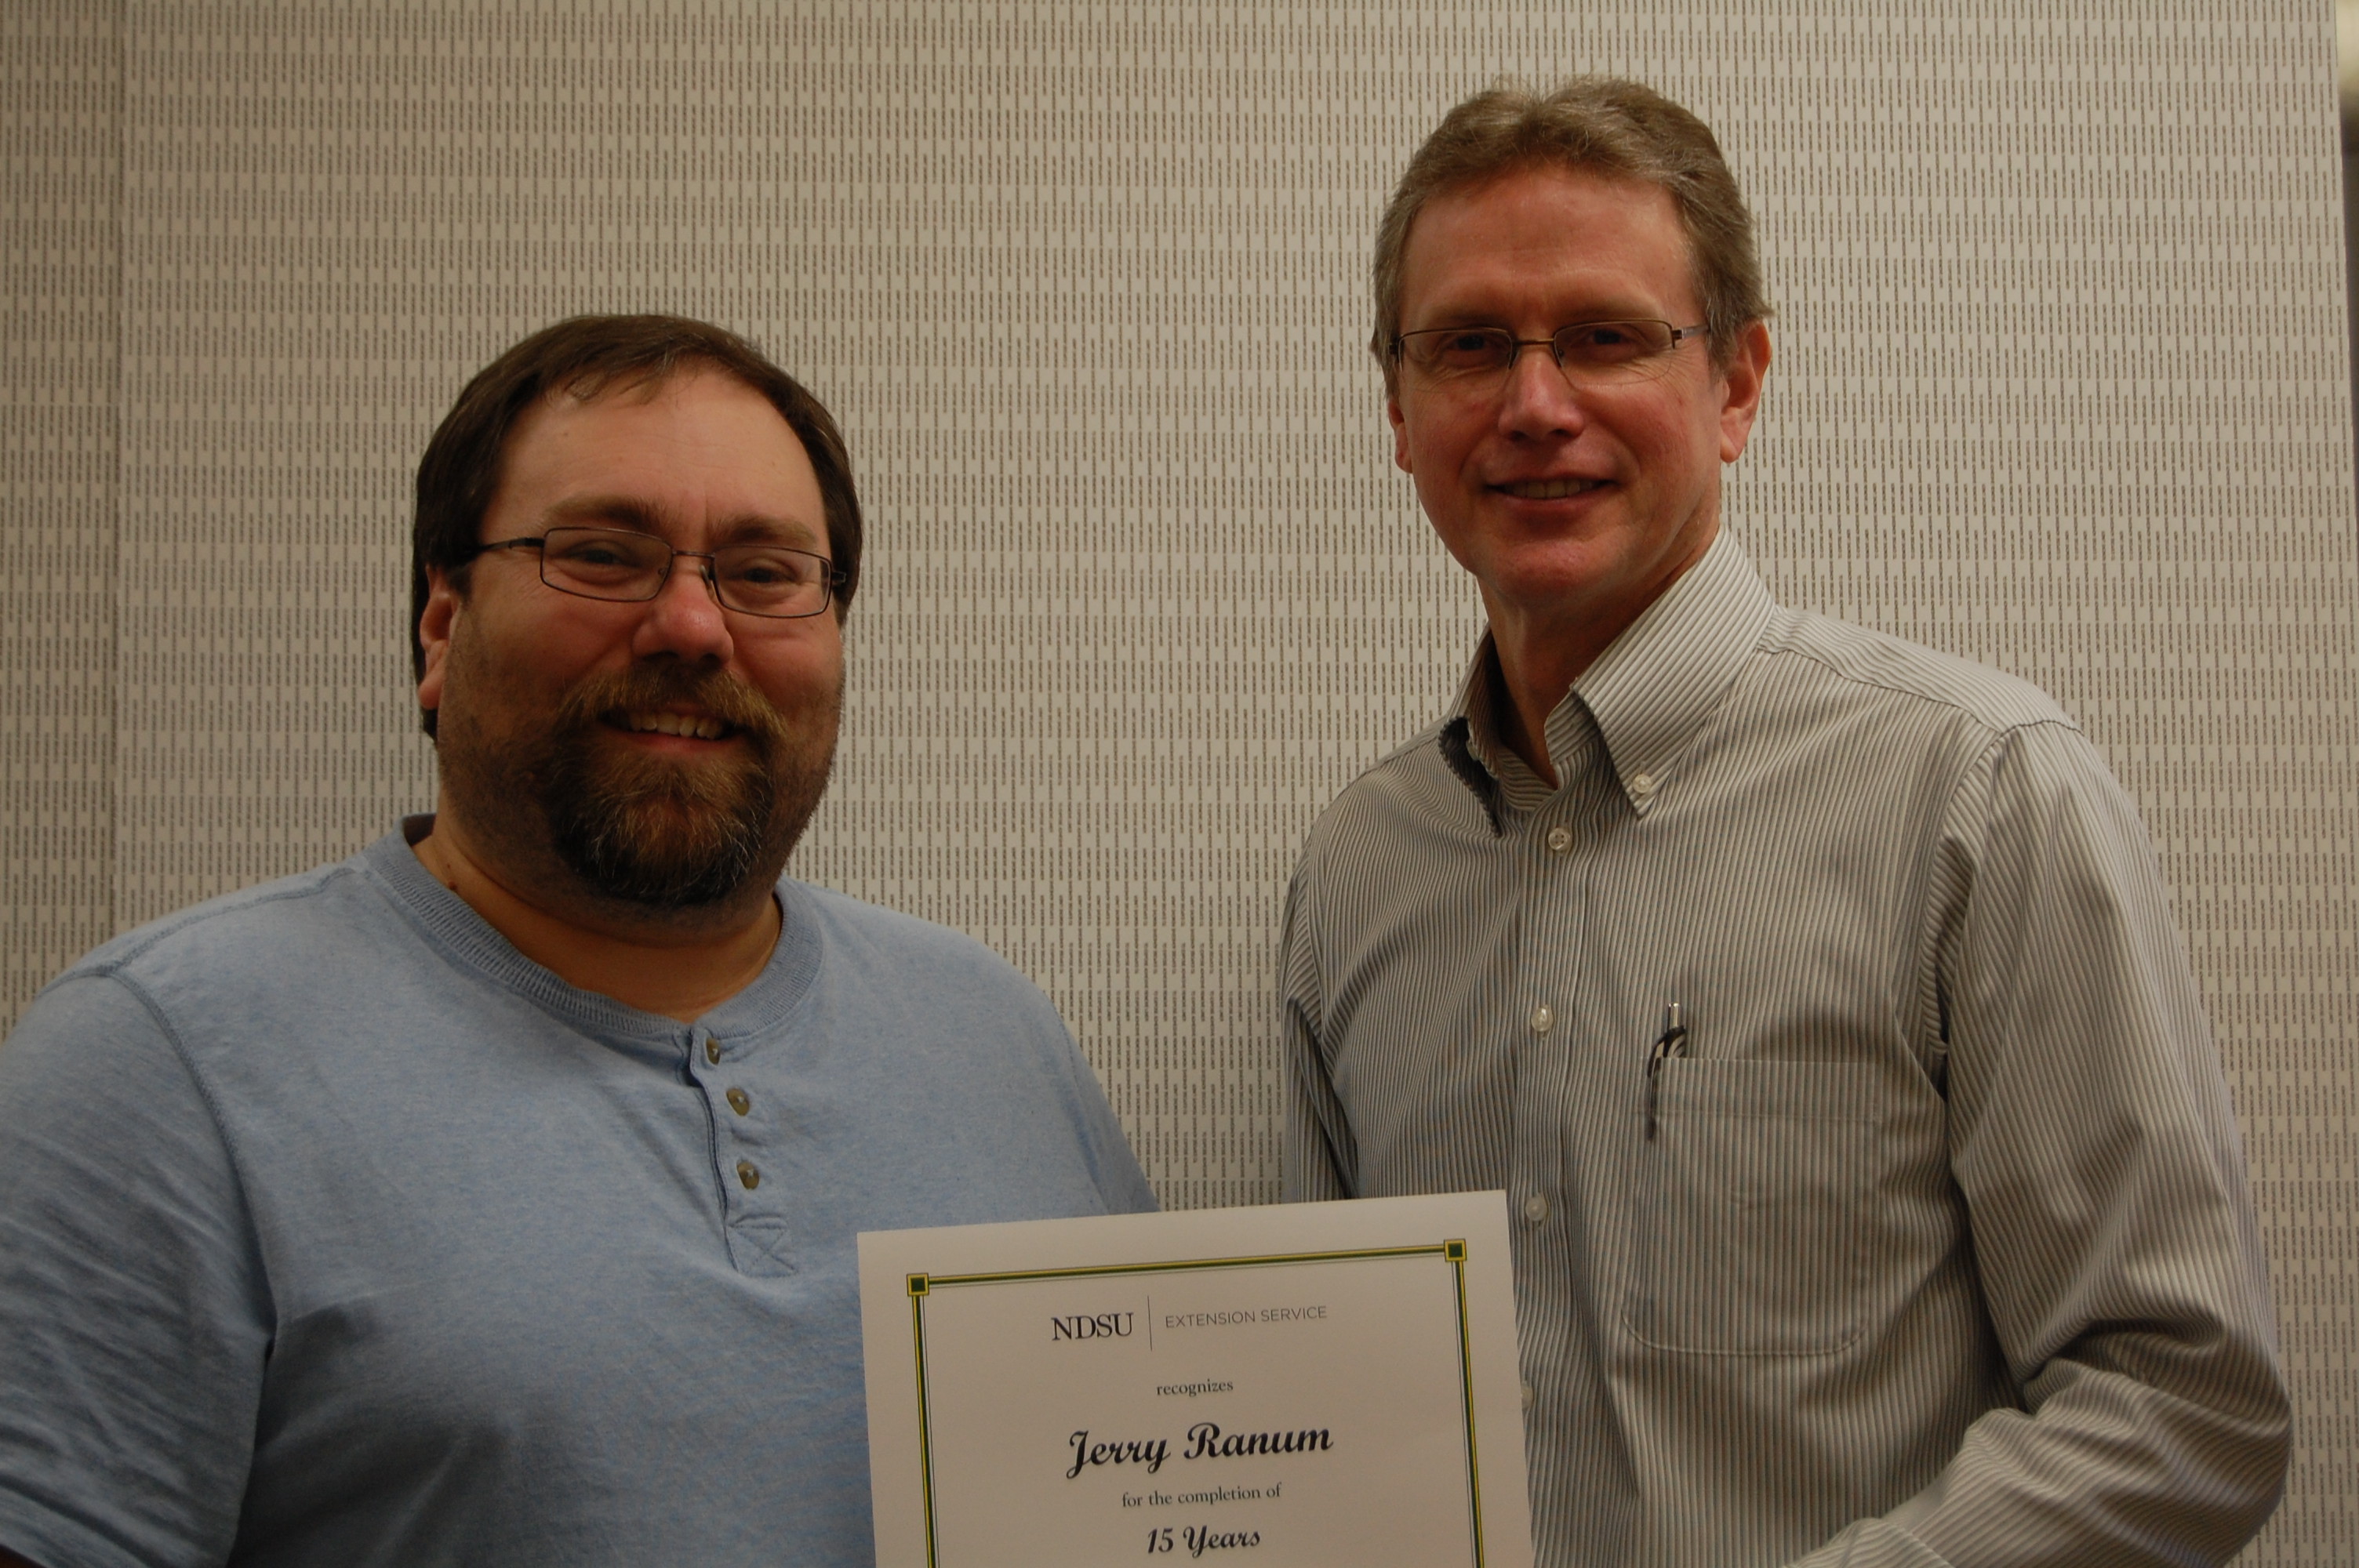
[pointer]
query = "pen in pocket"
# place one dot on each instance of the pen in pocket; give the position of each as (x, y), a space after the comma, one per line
(1672, 1041)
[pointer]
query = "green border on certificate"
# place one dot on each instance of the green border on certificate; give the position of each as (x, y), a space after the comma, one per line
(1453, 1252)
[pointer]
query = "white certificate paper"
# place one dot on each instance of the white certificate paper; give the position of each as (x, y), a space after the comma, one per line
(1330, 1383)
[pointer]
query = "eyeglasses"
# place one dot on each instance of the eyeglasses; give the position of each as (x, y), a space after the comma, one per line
(626, 567)
(1590, 353)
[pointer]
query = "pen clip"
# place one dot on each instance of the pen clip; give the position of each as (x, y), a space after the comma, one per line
(1672, 1041)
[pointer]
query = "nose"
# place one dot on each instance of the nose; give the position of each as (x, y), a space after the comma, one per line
(684, 619)
(1538, 400)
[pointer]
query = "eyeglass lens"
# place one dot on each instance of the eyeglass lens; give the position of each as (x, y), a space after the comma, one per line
(1586, 350)
(615, 564)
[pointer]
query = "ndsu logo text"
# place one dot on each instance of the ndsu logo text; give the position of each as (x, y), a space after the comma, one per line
(1104, 1326)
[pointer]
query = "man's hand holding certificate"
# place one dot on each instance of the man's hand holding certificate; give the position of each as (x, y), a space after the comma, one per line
(1314, 1384)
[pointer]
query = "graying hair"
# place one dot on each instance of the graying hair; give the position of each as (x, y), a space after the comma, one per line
(1599, 124)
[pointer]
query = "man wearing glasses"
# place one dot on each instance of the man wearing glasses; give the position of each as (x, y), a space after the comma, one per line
(490, 1197)
(1813, 996)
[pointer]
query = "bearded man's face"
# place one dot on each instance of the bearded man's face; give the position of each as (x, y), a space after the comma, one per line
(664, 832)
(663, 755)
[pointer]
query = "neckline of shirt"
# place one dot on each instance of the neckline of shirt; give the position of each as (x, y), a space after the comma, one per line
(1648, 694)
(450, 923)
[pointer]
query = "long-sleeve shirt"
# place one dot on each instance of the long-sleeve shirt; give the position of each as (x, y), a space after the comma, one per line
(1928, 1241)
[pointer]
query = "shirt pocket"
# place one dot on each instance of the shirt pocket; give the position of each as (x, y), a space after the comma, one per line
(1750, 1234)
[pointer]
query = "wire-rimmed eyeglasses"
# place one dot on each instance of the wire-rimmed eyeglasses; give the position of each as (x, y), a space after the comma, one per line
(623, 567)
(1588, 352)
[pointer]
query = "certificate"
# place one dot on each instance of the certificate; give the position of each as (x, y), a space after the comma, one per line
(1330, 1383)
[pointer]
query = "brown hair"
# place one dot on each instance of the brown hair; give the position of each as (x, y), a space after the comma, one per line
(582, 357)
(1600, 125)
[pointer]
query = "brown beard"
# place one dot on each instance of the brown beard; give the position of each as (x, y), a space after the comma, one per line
(659, 834)
(668, 834)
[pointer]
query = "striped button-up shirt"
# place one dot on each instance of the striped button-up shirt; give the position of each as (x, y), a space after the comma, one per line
(1928, 1242)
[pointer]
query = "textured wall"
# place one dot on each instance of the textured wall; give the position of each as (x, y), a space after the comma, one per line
(60, 222)
(2061, 387)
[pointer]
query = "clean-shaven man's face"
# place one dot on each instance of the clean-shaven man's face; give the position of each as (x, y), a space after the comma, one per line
(1565, 502)
(665, 754)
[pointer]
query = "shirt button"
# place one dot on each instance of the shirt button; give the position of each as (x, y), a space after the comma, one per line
(1528, 1396)
(1536, 1209)
(1559, 839)
(739, 1101)
(713, 1051)
(1542, 1020)
(1642, 783)
(748, 1174)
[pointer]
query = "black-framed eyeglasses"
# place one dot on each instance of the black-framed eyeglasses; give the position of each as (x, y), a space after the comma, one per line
(629, 568)
(1588, 352)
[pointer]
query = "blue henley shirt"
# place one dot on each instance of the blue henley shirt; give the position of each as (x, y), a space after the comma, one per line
(334, 1230)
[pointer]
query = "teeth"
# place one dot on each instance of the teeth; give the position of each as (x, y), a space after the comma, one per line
(1548, 489)
(677, 724)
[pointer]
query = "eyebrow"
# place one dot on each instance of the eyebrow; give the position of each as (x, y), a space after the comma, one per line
(637, 516)
(1446, 320)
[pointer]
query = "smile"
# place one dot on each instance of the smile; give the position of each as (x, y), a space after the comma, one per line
(687, 726)
(1548, 489)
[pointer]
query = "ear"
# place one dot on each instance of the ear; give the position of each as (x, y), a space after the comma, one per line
(1741, 395)
(434, 626)
(1399, 423)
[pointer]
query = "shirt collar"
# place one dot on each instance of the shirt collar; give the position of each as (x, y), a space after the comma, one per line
(1644, 698)
(764, 1004)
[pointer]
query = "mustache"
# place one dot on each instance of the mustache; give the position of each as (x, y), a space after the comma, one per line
(608, 698)
(664, 834)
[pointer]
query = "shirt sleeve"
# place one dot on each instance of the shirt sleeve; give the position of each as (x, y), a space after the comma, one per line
(134, 1321)
(2092, 1139)
(1114, 1165)
(1316, 1144)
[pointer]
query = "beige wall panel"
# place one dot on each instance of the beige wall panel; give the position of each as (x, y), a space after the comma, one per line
(61, 123)
(2061, 386)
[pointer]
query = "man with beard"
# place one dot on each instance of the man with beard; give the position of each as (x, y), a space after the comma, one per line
(489, 1197)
